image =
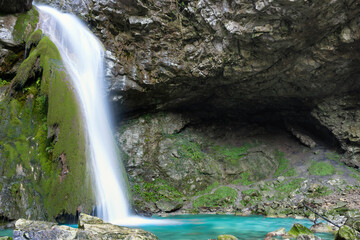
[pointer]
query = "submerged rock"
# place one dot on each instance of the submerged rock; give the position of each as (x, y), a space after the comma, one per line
(226, 237)
(91, 228)
(279, 232)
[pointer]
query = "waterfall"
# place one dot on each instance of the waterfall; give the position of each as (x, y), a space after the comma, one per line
(83, 57)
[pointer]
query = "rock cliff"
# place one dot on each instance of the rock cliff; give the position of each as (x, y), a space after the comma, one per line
(211, 96)
(297, 59)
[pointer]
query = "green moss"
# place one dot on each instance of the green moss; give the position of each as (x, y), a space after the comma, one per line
(222, 197)
(189, 149)
(320, 191)
(244, 180)
(298, 229)
(321, 169)
(34, 40)
(208, 189)
(283, 163)
(283, 189)
(290, 173)
(46, 103)
(333, 156)
(157, 190)
(356, 176)
(15, 189)
(232, 154)
(25, 25)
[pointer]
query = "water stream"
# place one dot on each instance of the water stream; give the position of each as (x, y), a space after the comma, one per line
(83, 57)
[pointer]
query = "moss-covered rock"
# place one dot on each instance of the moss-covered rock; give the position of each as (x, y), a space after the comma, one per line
(346, 233)
(43, 142)
(222, 197)
(226, 237)
(298, 229)
(353, 222)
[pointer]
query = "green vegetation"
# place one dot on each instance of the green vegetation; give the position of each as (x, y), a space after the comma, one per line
(321, 169)
(190, 149)
(320, 191)
(290, 173)
(222, 197)
(232, 154)
(333, 156)
(285, 188)
(26, 23)
(356, 176)
(283, 163)
(298, 229)
(157, 190)
(3, 82)
(244, 180)
(42, 108)
(208, 189)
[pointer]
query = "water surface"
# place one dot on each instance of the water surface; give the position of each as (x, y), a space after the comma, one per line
(204, 227)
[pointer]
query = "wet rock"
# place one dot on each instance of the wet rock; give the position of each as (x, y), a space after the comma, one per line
(279, 232)
(346, 233)
(321, 227)
(298, 229)
(354, 222)
(92, 228)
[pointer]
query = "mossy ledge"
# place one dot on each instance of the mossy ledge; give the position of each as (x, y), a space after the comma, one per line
(43, 107)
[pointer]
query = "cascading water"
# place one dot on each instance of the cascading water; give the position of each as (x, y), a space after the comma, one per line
(83, 55)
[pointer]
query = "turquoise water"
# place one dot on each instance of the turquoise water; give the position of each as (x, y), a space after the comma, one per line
(204, 227)
(7, 232)
(198, 227)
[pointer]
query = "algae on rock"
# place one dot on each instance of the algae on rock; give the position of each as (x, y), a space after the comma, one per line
(45, 121)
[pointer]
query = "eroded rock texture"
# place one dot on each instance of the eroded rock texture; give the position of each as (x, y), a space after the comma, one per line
(232, 58)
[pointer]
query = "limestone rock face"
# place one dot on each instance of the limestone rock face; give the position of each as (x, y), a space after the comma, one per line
(230, 58)
(92, 228)
(15, 6)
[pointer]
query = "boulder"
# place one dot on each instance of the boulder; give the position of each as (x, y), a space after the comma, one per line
(354, 223)
(168, 205)
(279, 232)
(346, 233)
(87, 219)
(16, 6)
(91, 228)
(298, 229)
(321, 227)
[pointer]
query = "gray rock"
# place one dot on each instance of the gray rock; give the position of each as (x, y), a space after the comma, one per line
(92, 228)
(169, 206)
(15, 6)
